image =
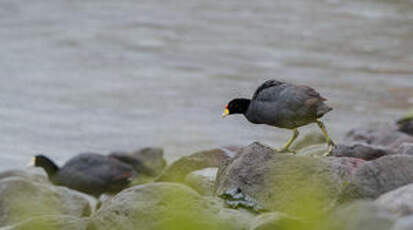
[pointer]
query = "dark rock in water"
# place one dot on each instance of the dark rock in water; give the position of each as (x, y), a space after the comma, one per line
(405, 223)
(379, 176)
(406, 125)
(275, 221)
(51, 222)
(21, 199)
(405, 148)
(166, 206)
(389, 138)
(148, 161)
(360, 215)
(361, 150)
(281, 182)
(177, 171)
(202, 181)
(399, 201)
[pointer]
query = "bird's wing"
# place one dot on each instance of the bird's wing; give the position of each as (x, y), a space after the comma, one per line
(263, 93)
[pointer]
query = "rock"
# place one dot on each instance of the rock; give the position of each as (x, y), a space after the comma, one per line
(21, 199)
(148, 161)
(399, 201)
(405, 223)
(60, 222)
(283, 182)
(203, 181)
(364, 215)
(166, 206)
(274, 221)
(386, 137)
(379, 176)
(405, 148)
(177, 171)
(406, 127)
(315, 150)
(31, 174)
(361, 150)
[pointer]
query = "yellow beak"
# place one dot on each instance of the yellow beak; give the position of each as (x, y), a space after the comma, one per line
(226, 113)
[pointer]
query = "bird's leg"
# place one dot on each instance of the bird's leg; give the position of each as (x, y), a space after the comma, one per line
(330, 142)
(287, 145)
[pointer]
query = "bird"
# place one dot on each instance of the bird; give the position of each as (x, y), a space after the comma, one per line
(283, 105)
(89, 173)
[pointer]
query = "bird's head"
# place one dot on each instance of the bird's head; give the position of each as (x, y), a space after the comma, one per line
(238, 105)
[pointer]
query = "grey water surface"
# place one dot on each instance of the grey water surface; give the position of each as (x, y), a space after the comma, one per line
(105, 75)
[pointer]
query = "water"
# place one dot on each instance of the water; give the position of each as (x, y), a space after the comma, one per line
(88, 75)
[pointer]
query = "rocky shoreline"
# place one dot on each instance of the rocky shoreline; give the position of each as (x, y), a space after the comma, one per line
(366, 184)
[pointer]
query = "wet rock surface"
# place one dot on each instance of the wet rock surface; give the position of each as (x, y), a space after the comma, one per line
(274, 180)
(274, 221)
(21, 198)
(166, 206)
(361, 150)
(379, 176)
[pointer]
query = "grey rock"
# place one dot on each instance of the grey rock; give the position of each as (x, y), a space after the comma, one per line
(203, 181)
(379, 176)
(361, 150)
(399, 201)
(359, 215)
(162, 206)
(279, 181)
(406, 126)
(405, 148)
(275, 221)
(51, 222)
(177, 171)
(21, 199)
(405, 223)
(149, 161)
(386, 137)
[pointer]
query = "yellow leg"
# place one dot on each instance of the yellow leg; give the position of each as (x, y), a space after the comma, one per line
(330, 142)
(289, 142)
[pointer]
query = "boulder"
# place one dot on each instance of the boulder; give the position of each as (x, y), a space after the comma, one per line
(399, 201)
(361, 150)
(275, 221)
(387, 137)
(203, 181)
(148, 161)
(364, 215)
(177, 171)
(51, 222)
(166, 206)
(262, 179)
(404, 223)
(405, 148)
(379, 176)
(21, 199)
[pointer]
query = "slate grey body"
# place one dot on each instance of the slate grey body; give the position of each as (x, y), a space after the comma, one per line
(285, 105)
(93, 174)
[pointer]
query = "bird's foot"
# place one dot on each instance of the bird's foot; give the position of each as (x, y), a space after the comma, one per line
(330, 148)
(285, 150)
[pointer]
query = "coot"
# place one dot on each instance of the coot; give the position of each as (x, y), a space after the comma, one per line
(282, 105)
(90, 173)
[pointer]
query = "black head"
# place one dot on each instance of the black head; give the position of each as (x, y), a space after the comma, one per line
(48, 165)
(237, 105)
